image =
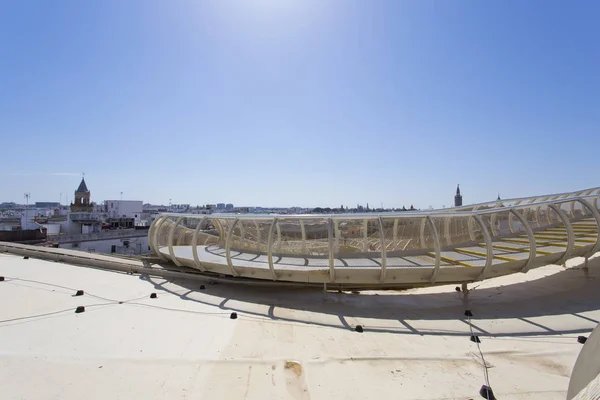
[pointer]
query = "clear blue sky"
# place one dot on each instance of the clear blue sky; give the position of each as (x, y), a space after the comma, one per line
(308, 103)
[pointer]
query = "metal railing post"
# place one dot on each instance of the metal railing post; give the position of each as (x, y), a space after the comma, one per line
(436, 241)
(156, 245)
(170, 242)
(422, 232)
(548, 219)
(537, 216)
(510, 223)
(383, 251)
(365, 234)
(331, 258)
(570, 234)
(532, 243)
(488, 245)
(151, 234)
(596, 215)
(257, 236)
(303, 232)
(241, 234)
(278, 236)
(470, 228)
(222, 232)
(447, 222)
(493, 225)
(228, 247)
(395, 237)
(270, 249)
(336, 230)
(195, 245)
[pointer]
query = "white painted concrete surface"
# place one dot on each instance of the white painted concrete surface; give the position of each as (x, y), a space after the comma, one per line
(585, 379)
(286, 344)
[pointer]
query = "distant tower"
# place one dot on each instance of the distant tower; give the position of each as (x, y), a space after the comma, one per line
(498, 197)
(458, 197)
(82, 199)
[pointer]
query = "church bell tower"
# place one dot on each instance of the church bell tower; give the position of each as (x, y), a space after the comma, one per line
(82, 199)
(458, 197)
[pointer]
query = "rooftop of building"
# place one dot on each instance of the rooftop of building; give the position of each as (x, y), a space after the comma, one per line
(287, 343)
(82, 186)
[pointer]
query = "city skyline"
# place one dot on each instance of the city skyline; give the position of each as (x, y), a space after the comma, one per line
(300, 103)
(220, 205)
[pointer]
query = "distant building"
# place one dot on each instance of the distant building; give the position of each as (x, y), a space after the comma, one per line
(229, 207)
(178, 208)
(201, 210)
(458, 197)
(10, 223)
(82, 199)
(220, 206)
(120, 223)
(124, 209)
(8, 205)
(47, 204)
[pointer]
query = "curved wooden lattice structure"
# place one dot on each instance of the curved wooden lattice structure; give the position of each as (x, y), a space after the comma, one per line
(390, 249)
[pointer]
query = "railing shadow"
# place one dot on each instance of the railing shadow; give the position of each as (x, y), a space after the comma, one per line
(568, 292)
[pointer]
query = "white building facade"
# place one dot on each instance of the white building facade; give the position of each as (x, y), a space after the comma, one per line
(125, 209)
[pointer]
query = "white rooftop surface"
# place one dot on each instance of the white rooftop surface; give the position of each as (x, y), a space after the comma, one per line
(286, 343)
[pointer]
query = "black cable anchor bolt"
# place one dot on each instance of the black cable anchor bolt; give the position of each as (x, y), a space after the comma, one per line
(79, 293)
(152, 295)
(79, 309)
(486, 393)
(475, 339)
(233, 315)
(358, 329)
(468, 313)
(581, 339)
